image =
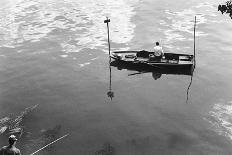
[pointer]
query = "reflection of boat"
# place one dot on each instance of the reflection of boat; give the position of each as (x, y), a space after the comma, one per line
(142, 58)
(156, 71)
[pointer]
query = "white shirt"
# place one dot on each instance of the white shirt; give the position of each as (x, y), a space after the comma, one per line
(158, 51)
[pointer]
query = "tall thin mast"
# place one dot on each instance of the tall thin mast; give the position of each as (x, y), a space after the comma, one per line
(107, 22)
(194, 46)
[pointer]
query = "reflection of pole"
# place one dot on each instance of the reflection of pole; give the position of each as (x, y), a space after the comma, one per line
(110, 76)
(107, 22)
(110, 93)
(194, 42)
(189, 88)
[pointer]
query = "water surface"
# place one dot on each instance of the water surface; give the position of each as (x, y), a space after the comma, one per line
(54, 54)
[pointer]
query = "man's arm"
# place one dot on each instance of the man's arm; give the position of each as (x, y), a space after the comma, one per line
(162, 51)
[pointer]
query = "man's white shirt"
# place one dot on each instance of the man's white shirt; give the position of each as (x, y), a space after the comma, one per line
(158, 50)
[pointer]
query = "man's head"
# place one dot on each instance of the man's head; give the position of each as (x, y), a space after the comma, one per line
(157, 43)
(12, 139)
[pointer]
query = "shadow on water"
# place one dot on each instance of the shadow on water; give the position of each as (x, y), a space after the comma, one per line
(226, 8)
(12, 124)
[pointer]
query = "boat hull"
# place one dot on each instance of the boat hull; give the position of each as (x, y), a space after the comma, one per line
(171, 60)
(142, 67)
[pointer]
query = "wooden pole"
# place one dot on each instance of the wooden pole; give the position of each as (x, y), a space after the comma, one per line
(107, 22)
(194, 46)
(49, 144)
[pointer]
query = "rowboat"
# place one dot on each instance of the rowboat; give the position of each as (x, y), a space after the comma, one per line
(144, 58)
(147, 58)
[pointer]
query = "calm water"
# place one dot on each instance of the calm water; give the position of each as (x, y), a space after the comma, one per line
(53, 54)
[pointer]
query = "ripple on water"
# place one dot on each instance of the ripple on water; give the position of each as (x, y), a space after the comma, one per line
(84, 64)
(81, 22)
(221, 118)
(183, 22)
(64, 56)
(178, 25)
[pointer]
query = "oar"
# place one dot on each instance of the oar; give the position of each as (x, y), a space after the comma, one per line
(157, 66)
(49, 144)
(137, 73)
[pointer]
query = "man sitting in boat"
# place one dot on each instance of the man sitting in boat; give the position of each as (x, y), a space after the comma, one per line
(158, 53)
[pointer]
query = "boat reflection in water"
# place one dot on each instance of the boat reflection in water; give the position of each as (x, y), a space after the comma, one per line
(155, 70)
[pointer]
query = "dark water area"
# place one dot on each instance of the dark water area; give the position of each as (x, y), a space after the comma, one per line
(54, 54)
